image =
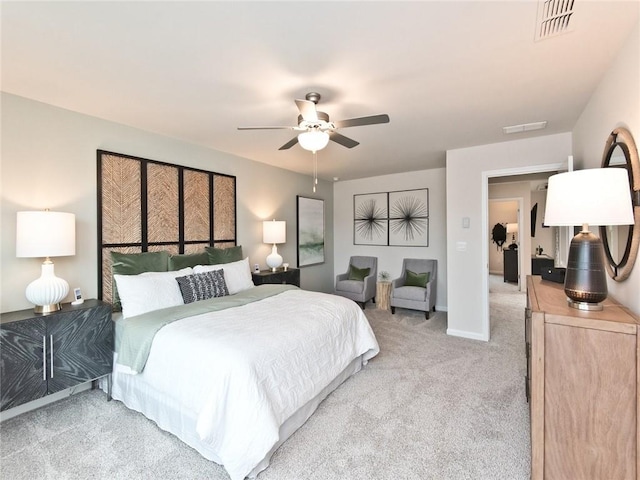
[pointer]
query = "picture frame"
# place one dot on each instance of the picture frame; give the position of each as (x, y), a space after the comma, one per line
(409, 218)
(310, 231)
(371, 219)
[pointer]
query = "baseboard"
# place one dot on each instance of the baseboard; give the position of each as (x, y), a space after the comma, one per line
(465, 334)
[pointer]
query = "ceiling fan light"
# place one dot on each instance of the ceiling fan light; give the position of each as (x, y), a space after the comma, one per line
(314, 140)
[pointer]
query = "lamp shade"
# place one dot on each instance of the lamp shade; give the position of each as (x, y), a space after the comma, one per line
(274, 231)
(314, 140)
(512, 228)
(45, 234)
(598, 196)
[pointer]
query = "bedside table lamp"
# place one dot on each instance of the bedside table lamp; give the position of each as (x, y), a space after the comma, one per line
(274, 232)
(46, 234)
(598, 196)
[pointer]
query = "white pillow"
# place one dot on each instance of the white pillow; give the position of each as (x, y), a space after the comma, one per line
(237, 275)
(149, 291)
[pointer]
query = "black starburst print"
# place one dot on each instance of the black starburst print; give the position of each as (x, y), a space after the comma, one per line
(409, 217)
(370, 220)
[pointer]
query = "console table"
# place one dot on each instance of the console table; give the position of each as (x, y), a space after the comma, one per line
(582, 385)
(289, 276)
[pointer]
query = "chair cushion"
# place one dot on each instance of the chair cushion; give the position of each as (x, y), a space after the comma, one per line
(352, 286)
(358, 274)
(413, 279)
(410, 293)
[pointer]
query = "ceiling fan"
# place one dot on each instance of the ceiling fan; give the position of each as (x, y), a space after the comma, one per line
(316, 128)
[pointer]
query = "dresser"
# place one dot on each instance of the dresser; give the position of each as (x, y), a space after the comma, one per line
(510, 265)
(289, 276)
(43, 354)
(582, 387)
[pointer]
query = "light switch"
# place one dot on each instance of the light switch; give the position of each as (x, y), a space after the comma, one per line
(465, 222)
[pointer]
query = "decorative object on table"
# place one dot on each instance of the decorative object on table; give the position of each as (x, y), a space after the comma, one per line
(285, 266)
(416, 287)
(182, 211)
(310, 233)
(371, 220)
(274, 232)
(359, 281)
(499, 235)
(597, 197)
(512, 228)
(409, 218)
(621, 243)
(384, 276)
(46, 234)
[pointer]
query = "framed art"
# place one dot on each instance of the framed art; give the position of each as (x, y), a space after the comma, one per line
(370, 219)
(310, 235)
(409, 218)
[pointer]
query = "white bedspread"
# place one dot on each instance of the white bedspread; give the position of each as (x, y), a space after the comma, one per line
(242, 372)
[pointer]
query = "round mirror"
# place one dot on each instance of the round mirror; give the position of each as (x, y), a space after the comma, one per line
(621, 242)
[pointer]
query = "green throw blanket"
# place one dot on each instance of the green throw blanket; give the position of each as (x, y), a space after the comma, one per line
(134, 335)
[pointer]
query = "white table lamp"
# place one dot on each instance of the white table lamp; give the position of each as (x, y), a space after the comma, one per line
(512, 228)
(598, 196)
(46, 234)
(274, 232)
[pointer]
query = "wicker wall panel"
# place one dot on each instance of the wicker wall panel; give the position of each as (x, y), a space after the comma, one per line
(224, 208)
(162, 198)
(121, 200)
(195, 247)
(196, 206)
(107, 274)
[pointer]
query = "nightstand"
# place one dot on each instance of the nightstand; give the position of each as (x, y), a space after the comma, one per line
(43, 354)
(291, 276)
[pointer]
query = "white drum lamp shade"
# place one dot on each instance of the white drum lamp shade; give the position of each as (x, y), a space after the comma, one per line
(598, 196)
(274, 232)
(46, 234)
(512, 228)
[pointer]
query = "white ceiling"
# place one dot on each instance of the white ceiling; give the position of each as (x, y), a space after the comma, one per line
(450, 74)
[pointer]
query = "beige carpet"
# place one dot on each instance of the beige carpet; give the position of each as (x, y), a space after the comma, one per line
(429, 406)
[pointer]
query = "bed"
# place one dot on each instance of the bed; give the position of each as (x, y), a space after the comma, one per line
(234, 376)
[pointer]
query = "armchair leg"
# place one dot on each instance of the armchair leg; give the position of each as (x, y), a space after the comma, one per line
(426, 314)
(393, 310)
(373, 299)
(363, 304)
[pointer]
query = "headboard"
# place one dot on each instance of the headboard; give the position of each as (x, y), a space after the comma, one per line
(146, 205)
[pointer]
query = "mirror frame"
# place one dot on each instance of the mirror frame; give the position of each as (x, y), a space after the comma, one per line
(621, 137)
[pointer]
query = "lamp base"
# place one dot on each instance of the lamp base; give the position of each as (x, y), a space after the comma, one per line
(48, 291)
(54, 307)
(274, 260)
(585, 282)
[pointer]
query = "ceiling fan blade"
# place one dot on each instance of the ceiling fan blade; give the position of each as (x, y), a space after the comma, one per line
(356, 122)
(267, 128)
(307, 110)
(289, 144)
(342, 140)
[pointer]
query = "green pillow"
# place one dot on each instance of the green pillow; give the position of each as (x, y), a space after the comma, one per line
(416, 279)
(134, 264)
(178, 262)
(358, 273)
(224, 255)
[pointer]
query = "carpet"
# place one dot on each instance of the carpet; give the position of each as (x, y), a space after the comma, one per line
(429, 406)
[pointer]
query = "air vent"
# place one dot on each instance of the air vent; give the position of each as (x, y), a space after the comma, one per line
(553, 18)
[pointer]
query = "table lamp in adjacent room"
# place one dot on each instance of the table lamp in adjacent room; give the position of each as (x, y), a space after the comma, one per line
(46, 234)
(512, 228)
(598, 196)
(274, 232)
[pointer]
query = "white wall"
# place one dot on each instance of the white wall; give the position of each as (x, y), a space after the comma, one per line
(390, 258)
(615, 103)
(49, 161)
(466, 168)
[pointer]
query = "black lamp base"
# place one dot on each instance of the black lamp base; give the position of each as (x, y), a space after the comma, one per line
(585, 282)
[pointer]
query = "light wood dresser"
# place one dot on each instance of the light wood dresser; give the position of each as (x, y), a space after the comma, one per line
(582, 384)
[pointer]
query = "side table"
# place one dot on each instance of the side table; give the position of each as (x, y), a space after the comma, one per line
(383, 292)
(289, 276)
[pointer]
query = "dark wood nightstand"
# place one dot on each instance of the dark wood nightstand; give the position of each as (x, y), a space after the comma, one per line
(43, 354)
(291, 276)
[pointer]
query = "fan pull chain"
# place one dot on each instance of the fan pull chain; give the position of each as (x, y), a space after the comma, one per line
(315, 170)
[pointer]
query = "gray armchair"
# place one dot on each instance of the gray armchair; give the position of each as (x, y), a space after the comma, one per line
(414, 297)
(359, 290)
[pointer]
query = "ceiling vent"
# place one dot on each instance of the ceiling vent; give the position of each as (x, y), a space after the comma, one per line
(553, 18)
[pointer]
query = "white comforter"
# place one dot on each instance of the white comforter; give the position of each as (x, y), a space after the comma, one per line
(245, 370)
